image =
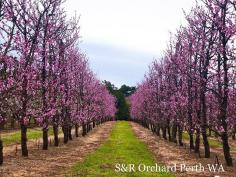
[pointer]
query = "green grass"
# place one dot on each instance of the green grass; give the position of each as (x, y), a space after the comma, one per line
(212, 142)
(233, 149)
(185, 136)
(122, 147)
(15, 138)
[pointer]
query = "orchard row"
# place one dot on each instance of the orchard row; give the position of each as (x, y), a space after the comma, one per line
(43, 74)
(193, 86)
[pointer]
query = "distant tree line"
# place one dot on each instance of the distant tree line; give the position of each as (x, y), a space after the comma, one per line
(122, 103)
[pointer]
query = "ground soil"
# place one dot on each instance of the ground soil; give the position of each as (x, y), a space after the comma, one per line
(57, 160)
(169, 154)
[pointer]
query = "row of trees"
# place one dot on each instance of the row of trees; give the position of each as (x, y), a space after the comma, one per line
(43, 74)
(193, 87)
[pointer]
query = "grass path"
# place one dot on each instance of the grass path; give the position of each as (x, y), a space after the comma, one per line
(122, 147)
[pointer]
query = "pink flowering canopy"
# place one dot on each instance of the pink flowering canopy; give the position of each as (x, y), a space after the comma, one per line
(43, 74)
(193, 85)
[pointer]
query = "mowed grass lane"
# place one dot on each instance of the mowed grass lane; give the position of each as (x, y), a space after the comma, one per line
(122, 147)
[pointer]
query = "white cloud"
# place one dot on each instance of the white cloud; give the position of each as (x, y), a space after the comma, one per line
(118, 65)
(137, 25)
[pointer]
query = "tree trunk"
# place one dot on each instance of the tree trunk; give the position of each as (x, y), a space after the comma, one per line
(76, 130)
(180, 133)
(1, 152)
(174, 133)
(153, 128)
(234, 132)
(94, 124)
(197, 142)
(224, 102)
(210, 132)
(84, 131)
(158, 130)
(45, 138)
(226, 149)
(24, 149)
(55, 132)
(190, 111)
(44, 90)
(70, 132)
(65, 132)
(88, 128)
(206, 144)
(164, 133)
(204, 119)
(191, 144)
(169, 131)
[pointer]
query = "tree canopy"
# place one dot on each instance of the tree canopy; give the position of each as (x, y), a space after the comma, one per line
(121, 94)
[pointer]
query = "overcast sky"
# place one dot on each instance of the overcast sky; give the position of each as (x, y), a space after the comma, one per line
(121, 37)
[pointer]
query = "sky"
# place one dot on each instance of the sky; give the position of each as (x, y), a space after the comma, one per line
(122, 37)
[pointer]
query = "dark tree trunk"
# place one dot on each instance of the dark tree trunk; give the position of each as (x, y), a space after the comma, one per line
(65, 132)
(197, 142)
(234, 132)
(224, 102)
(224, 135)
(146, 124)
(191, 143)
(204, 123)
(174, 133)
(55, 132)
(84, 131)
(1, 152)
(94, 124)
(45, 139)
(209, 132)
(226, 149)
(180, 133)
(70, 132)
(24, 149)
(206, 144)
(158, 130)
(164, 133)
(169, 131)
(88, 128)
(190, 111)
(44, 90)
(153, 128)
(76, 130)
